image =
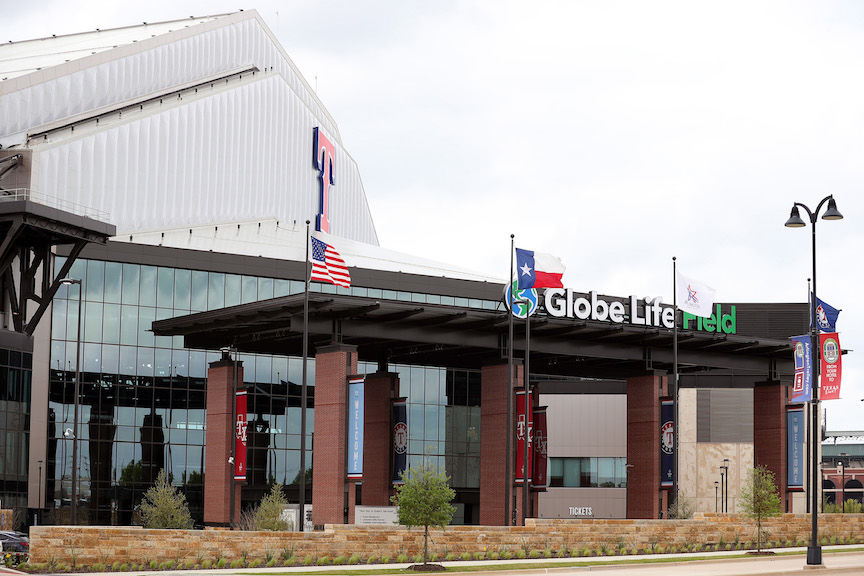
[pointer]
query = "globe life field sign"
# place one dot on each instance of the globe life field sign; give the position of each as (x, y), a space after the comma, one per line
(566, 303)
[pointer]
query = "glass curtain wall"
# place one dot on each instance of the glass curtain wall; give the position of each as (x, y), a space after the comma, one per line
(15, 375)
(142, 403)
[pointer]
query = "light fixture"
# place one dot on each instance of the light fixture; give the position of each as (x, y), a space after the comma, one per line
(795, 220)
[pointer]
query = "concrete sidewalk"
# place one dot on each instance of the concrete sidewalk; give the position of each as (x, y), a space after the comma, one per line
(836, 560)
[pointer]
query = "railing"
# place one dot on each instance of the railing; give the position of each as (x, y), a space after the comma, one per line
(18, 194)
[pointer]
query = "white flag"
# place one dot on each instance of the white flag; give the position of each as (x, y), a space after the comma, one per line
(694, 297)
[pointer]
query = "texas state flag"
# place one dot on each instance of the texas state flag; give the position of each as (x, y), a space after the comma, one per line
(538, 270)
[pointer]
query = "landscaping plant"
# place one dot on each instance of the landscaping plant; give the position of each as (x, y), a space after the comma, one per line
(424, 499)
(760, 499)
(164, 507)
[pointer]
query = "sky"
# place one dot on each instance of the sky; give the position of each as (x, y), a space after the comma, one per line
(612, 134)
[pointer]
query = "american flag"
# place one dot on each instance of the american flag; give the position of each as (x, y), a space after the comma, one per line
(328, 265)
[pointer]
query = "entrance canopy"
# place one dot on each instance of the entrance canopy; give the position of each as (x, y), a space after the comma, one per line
(390, 331)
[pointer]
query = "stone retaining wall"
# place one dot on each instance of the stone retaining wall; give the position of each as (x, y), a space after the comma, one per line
(94, 544)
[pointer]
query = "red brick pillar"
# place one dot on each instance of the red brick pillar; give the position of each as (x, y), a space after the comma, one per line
(333, 364)
(493, 444)
(218, 472)
(379, 390)
(643, 446)
(769, 430)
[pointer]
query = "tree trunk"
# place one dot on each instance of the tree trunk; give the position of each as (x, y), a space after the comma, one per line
(425, 544)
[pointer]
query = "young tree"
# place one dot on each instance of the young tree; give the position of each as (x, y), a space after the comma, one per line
(424, 500)
(269, 514)
(164, 507)
(760, 499)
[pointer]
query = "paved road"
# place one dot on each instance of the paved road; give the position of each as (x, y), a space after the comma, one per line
(835, 559)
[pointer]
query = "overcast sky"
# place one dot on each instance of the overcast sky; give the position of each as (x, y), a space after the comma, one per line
(612, 134)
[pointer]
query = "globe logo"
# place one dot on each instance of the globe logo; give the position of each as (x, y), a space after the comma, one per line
(521, 303)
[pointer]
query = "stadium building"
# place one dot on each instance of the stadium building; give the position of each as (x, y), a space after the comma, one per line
(168, 170)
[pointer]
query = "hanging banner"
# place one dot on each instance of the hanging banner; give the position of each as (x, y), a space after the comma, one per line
(667, 443)
(801, 349)
(541, 456)
(829, 343)
(355, 427)
(400, 440)
(795, 449)
(521, 426)
(240, 427)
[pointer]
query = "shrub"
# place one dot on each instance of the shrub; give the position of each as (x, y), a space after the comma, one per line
(490, 555)
(308, 560)
(154, 565)
(164, 507)
(124, 567)
(115, 567)
(339, 559)
(433, 556)
(268, 516)
(98, 567)
(466, 556)
(450, 557)
(169, 564)
(255, 563)
(521, 554)
(417, 558)
(479, 555)
(402, 558)
(324, 561)
(271, 563)
(547, 552)
(372, 559)
(237, 563)
(287, 553)
(354, 559)
(206, 564)
(385, 559)
(534, 554)
(506, 554)
(221, 562)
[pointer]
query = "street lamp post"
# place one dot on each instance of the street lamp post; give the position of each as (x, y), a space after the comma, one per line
(722, 486)
(716, 486)
(814, 551)
(726, 494)
(77, 392)
(842, 465)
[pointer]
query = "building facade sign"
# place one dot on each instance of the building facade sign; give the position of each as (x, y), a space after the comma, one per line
(581, 511)
(567, 303)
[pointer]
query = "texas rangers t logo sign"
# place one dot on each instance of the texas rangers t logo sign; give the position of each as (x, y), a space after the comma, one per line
(325, 153)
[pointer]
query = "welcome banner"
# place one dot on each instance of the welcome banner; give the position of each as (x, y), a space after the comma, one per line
(523, 425)
(541, 455)
(356, 415)
(667, 443)
(240, 428)
(400, 439)
(829, 343)
(795, 449)
(802, 382)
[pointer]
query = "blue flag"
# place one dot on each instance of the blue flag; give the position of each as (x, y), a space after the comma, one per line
(826, 316)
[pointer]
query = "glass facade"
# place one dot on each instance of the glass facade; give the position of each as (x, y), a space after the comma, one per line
(142, 401)
(588, 472)
(15, 377)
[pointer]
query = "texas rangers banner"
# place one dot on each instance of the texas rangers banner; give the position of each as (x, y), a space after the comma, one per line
(795, 449)
(667, 443)
(240, 427)
(803, 355)
(826, 316)
(400, 439)
(355, 427)
(831, 366)
(541, 455)
(521, 426)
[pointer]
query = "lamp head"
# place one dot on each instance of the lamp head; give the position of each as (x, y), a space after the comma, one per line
(68, 281)
(832, 213)
(795, 220)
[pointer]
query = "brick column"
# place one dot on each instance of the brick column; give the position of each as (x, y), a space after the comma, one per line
(769, 430)
(218, 473)
(379, 390)
(493, 443)
(333, 364)
(643, 446)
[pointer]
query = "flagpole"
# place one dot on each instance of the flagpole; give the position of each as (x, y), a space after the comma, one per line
(527, 412)
(675, 370)
(808, 405)
(508, 478)
(303, 387)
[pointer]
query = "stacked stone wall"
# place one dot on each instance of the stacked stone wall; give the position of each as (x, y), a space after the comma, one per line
(91, 545)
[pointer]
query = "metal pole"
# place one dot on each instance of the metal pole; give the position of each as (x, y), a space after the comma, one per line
(726, 495)
(814, 551)
(715, 496)
(525, 452)
(75, 411)
(303, 391)
(508, 461)
(674, 392)
(233, 458)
